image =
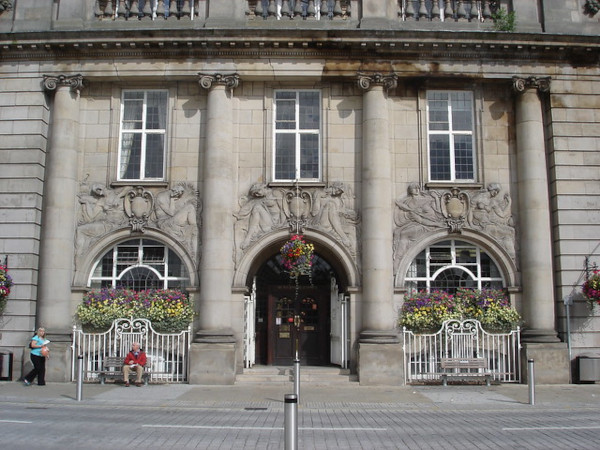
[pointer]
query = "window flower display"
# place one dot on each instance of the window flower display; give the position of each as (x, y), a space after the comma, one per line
(426, 311)
(169, 310)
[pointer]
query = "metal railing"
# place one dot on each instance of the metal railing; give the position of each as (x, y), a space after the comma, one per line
(168, 352)
(461, 339)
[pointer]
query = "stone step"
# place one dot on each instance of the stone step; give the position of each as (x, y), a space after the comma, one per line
(316, 375)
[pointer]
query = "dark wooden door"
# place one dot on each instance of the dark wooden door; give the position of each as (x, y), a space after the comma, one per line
(298, 324)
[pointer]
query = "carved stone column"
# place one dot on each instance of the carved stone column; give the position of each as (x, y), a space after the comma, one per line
(212, 357)
(379, 348)
(58, 222)
(535, 233)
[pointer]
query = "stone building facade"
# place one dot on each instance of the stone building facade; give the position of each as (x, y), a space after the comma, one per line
(386, 132)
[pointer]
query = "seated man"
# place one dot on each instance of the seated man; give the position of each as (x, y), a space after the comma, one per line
(135, 360)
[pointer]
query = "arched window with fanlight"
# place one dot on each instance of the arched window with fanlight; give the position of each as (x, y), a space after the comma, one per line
(139, 264)
(453, 264)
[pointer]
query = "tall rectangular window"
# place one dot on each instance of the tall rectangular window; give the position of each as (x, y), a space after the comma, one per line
(143, 130)
(297, 137)
(450, 130)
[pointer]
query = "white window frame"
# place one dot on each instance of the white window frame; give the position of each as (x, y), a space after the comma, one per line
(298, 134)
(159, 267)
(452, 133)
(432, 271)
(144, 132)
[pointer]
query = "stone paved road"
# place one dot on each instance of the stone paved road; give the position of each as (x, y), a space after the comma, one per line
(183, 416)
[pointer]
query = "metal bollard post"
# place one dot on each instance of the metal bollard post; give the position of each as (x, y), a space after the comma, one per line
(531, 379)
(297, 377)
(291, 422)
(79, 377)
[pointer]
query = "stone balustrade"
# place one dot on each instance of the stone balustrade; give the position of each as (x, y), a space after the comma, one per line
(147, 9)
(447, 10)
(311, 10)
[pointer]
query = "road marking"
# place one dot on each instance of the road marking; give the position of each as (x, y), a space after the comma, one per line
(208, 427)
(551, 428)
(14, 421)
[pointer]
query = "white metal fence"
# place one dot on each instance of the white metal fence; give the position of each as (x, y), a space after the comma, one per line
(461, 339)
(168, 353)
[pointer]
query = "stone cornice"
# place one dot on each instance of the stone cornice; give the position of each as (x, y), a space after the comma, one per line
(364, 45)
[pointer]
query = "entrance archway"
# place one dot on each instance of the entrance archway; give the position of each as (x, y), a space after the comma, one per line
(294, 320)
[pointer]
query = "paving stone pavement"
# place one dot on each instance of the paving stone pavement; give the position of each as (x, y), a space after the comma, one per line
(452, 396)
(251, 417)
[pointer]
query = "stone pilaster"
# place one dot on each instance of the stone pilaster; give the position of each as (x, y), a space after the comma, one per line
(378, 338)
(58, 222)
(212, 357)
(539, 337)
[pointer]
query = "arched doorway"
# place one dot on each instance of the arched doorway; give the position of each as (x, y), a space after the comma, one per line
(294, 320)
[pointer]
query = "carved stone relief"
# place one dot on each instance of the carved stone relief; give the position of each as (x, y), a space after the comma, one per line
(492, 214)
(331, 213)
(416, 214)
(100, 212)
(267, 209)
(103, 210)
(138, 206)
(423, 210)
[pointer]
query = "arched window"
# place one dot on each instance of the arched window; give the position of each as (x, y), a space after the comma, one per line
(139, 264)
(449, 265)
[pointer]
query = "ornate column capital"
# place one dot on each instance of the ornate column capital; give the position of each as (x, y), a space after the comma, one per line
(542, 84)
(389, 81)
(52, 82)
(230, 81)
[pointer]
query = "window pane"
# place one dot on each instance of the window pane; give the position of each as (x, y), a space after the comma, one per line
(286, 115)
(154, 155)
(461, 111)
(156, 111)
(153, 255)
(438, 111)
(309, 156)
(131, 155)
(285, 157)
(463, 155)
(309, 111)
(439, 155)
(176, 267)
(132, 110)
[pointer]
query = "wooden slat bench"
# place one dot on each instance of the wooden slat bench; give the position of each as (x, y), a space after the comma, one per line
(466, 363)
(112, 367)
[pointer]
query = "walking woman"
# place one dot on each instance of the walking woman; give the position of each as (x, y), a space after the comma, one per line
(39, 353)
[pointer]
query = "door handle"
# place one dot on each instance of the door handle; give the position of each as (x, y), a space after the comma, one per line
(297, 320)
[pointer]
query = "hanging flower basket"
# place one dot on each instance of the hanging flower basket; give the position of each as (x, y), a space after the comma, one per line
(591, 288)
(5, 285)
(297, 256)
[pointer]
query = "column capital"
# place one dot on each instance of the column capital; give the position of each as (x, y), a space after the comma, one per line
(52, 82)
(521, 84)
(230, 81)
(389, 81)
